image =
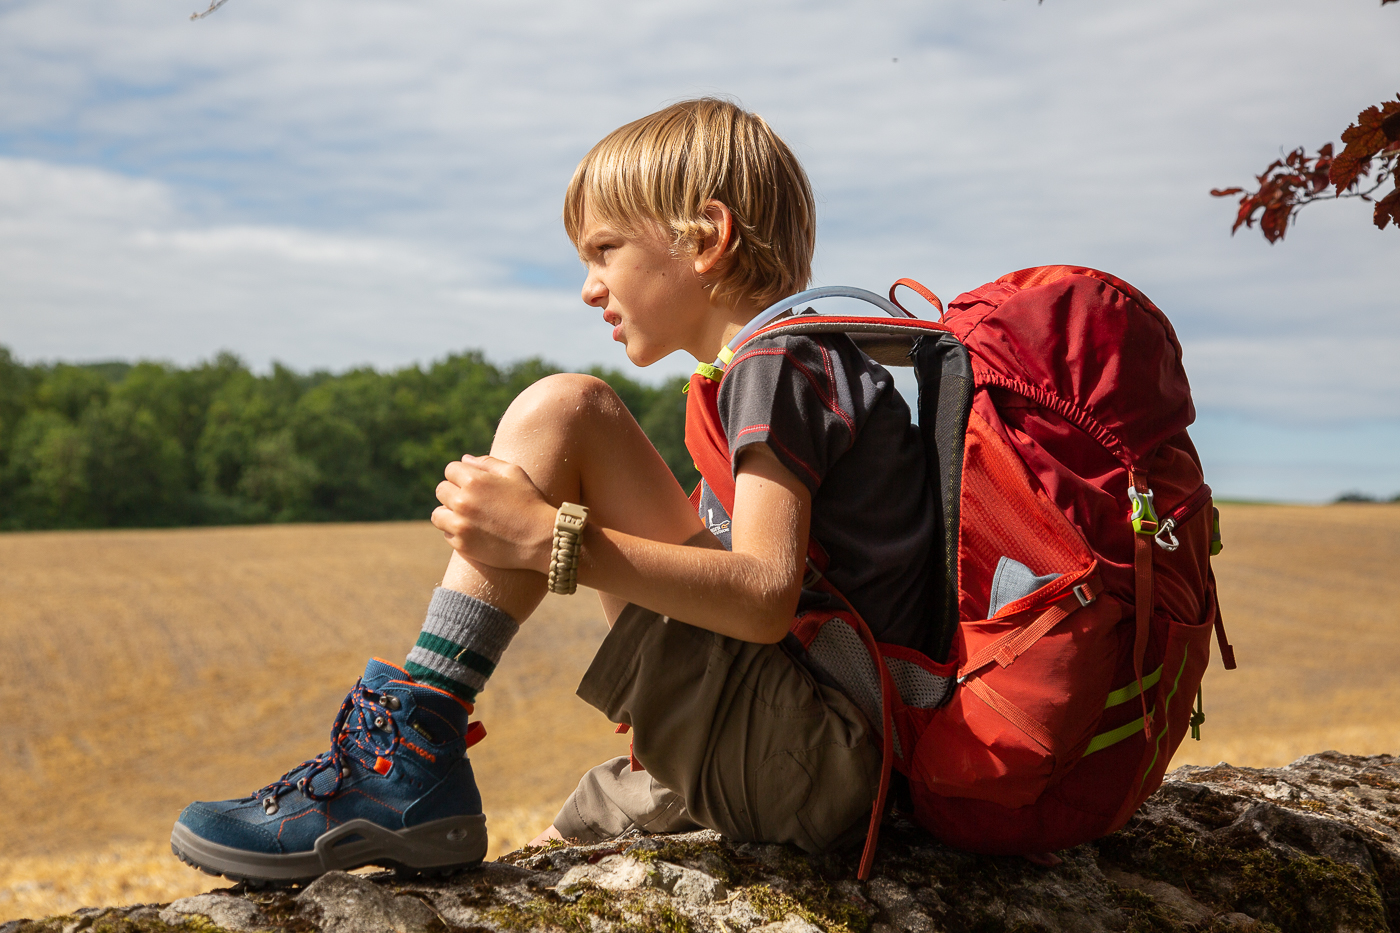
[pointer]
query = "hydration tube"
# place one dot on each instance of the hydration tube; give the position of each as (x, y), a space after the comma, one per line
(781, 307)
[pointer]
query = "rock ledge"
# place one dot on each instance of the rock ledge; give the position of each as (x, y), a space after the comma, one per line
(1312, 847)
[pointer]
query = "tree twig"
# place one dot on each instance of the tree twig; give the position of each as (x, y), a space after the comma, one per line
(213, 5)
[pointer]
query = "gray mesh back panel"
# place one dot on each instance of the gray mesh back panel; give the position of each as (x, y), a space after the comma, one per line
(916, 686)
(944, 371)
(840, 654)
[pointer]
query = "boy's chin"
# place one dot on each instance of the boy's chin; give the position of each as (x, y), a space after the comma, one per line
(642, 356)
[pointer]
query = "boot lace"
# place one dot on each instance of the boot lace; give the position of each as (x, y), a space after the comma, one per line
(363, 716)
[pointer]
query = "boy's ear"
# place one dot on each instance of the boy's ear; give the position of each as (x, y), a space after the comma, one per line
(712, 247)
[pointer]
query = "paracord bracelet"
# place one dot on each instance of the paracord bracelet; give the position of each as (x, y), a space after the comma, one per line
(563, 559)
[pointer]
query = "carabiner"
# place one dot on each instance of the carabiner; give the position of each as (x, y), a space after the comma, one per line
(1170, 543)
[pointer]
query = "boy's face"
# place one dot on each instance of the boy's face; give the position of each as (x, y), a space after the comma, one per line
(650, 293)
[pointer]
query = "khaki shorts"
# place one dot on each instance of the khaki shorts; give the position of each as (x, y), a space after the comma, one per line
(734, 736)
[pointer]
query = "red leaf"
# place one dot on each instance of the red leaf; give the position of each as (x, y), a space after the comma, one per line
(1248, 205)
(1390, 125)
(1318, 175)
(1363, 140)
(1388, 209)
(1281, 185)
(1274, 223)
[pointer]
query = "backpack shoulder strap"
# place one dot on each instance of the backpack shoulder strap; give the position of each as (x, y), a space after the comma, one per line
(704, 434)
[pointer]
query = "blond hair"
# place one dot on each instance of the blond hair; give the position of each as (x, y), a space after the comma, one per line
(665, 166)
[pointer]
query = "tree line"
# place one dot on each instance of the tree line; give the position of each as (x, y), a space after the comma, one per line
(120, 445)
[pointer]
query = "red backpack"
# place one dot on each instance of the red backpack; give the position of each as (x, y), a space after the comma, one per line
(1053, 408)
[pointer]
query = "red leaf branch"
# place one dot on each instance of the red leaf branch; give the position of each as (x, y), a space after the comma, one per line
(1371, 151)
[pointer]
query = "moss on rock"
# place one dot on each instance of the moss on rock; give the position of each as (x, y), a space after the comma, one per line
(1301, 894)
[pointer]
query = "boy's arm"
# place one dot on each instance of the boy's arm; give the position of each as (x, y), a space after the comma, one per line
(748, 593)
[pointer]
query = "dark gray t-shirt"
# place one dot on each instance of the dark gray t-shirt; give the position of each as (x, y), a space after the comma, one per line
(832, 416)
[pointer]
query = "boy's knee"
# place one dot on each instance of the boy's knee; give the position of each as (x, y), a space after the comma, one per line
(556, 403)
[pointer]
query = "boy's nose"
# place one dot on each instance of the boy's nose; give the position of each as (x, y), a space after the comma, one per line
(595, 293)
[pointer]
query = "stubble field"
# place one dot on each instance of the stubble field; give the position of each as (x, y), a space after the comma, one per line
(147, 669)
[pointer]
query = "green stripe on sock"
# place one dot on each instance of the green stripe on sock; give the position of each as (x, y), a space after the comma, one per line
(455, 652)
(426, 675)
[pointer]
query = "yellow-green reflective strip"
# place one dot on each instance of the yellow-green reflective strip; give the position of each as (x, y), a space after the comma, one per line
(1157, 746)
(712, 373)
(725, 355)
(1104, 739)
(1127, 693)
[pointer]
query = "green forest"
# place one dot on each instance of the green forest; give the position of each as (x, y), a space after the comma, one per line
(121, 445)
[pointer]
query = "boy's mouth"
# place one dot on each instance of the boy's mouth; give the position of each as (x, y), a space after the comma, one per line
(614, 319)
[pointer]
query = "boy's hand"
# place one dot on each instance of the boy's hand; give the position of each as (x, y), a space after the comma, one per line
(493, 514)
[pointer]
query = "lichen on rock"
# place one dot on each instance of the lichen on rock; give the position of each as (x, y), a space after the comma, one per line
(1312, 847)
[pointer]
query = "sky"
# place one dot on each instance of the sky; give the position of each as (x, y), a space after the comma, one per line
(334, 183)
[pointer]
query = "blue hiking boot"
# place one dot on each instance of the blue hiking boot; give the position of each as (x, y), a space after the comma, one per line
(395, 789)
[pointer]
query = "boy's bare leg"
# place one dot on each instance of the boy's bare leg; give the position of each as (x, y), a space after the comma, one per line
(578, 443)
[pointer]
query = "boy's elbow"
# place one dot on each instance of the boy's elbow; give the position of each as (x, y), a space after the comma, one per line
(767, 602)
(771, 630)
(774, 621)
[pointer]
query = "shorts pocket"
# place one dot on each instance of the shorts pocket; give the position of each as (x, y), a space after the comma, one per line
(812, 797)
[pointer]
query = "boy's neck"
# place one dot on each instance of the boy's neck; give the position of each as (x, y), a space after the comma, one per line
(729, 320)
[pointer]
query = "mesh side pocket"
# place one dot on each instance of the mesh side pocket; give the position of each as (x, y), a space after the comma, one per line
(841, 655)
(918, 687)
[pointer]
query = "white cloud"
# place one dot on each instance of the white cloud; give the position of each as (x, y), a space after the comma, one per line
(99, 266)
(1304, 375)
(288, 244)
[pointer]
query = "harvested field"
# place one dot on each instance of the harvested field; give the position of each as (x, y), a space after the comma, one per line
(158, 667)
(1311, 601)
(150, 668)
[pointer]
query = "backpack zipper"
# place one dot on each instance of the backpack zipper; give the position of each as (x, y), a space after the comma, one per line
(1178, 517)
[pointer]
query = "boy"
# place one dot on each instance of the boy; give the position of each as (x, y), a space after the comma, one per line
(690, 222)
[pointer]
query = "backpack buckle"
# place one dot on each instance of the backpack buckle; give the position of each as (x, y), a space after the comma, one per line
(1144, 515)
(1083, 593)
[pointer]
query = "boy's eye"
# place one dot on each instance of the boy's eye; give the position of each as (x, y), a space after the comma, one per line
(597, 252)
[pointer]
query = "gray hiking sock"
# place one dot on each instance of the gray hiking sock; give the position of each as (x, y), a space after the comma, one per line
(462, 640)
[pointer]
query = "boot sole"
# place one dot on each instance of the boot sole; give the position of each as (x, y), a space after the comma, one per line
(439, 847)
